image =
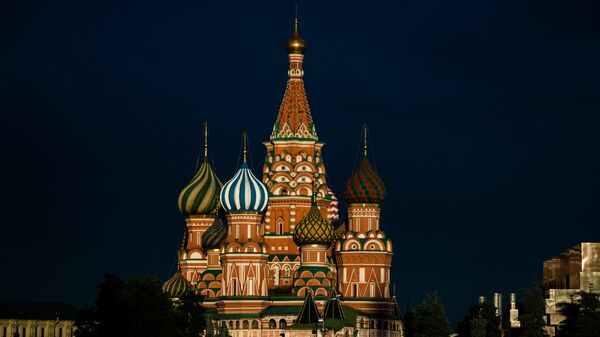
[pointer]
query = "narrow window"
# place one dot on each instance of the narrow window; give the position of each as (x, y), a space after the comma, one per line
(250, 286)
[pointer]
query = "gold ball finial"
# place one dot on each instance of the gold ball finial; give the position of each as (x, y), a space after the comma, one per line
(295, 44)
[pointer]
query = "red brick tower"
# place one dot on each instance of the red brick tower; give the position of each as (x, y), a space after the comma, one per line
(198, 201)
(244, 254)
(363, 253)
(292, 162)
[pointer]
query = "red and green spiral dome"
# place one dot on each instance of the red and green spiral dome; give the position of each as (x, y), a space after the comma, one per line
(364, 186)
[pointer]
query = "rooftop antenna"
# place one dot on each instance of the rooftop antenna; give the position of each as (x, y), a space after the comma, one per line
(205, 140)
(245, 141)
(365, 146)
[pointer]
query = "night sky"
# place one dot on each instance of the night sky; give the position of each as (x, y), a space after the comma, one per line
(484, 119)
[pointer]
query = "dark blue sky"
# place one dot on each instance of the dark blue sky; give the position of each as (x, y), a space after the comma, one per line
(484, 119)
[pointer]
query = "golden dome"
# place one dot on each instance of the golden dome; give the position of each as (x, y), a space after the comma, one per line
(295, 44)
(313, 228)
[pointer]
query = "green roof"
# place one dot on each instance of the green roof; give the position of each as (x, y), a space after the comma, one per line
(281, 310)
(233, 316)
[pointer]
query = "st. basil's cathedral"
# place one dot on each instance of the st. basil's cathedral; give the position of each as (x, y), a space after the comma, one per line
(265, 252)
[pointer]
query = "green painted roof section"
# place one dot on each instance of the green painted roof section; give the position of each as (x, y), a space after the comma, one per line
(313, 269)
(281, 310)
(234, 316)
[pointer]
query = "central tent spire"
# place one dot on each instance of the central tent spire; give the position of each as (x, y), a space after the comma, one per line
(294, 120)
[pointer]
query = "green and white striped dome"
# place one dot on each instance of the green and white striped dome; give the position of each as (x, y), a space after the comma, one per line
(176, 286)
(201, 195)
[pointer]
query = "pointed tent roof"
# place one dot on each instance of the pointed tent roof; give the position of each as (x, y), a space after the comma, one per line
(396, 307)
(308, 313)
(333, 307)
(294, 119)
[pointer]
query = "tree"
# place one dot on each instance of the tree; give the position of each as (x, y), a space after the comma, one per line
(581, 316)
(481, 321)
(409, 322)
(532, 312)
(430, 318)
(188, 316)
(139, 308)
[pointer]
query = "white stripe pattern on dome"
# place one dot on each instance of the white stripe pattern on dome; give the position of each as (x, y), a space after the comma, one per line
(244, 193)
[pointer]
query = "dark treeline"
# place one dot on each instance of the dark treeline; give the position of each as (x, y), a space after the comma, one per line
(138, 307)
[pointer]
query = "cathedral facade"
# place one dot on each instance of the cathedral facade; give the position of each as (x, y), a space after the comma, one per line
(270, 254)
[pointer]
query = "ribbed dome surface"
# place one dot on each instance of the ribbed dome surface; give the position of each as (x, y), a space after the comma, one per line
(244, 193)
(313, 229)
(338, 233)
(214, 235)
(201, 195)
(364, 186)
(333, 209)
(176, 286)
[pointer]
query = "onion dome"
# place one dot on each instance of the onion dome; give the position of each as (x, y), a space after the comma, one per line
(176, 286)
(214, 235)
(333, 209)
(364, 185)
(338, 233)
(201, 194)
(295, 44)
(244, 192)
(313, 229)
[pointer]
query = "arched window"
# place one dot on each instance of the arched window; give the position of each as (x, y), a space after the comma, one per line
(237, 325)
(279, 226)
(255, 324)
(283, 191)
(230, 325)
(272, 324)
(282, 323)
(245, 325)
(371, 324)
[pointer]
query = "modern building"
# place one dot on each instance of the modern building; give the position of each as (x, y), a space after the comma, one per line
(33, 319)
(266, 252)
(565, 275)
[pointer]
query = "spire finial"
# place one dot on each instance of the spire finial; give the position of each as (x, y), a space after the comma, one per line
(245, 141)
(365, 143)
(205, 141)
(296, 18)
(295, 44)
(314, 189)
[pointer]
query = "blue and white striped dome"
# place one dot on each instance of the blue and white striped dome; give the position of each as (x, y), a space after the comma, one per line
(244, 193)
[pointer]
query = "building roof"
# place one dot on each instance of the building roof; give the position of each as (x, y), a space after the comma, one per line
(215, 235)
(201, 194)
(308, 313)
(244, 192)
(313, 228)
(37, 310)
(333, 307)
